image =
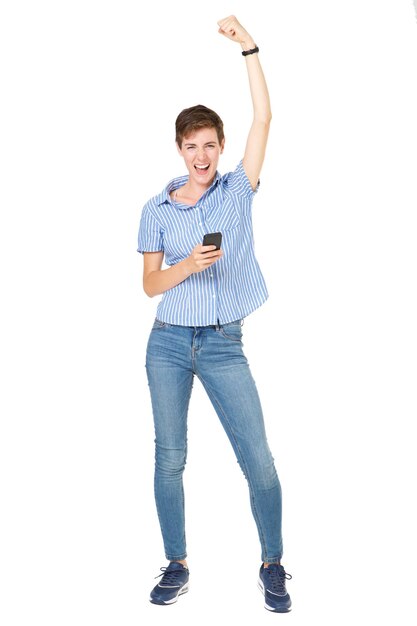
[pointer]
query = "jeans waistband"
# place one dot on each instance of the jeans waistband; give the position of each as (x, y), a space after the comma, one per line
(212, 326)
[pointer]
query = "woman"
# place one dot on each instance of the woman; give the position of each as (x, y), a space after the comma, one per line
(206, 294)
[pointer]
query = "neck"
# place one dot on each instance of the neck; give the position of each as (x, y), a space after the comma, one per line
(195, 189)
(192, 192)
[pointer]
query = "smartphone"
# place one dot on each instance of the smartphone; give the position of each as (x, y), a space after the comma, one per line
(213, 239)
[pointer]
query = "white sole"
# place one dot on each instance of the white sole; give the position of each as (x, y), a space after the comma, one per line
(183, 589)
(270, 608)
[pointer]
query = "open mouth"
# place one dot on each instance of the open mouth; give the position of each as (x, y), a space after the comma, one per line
(202, 168)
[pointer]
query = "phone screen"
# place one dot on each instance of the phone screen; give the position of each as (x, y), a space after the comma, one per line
(213, 239)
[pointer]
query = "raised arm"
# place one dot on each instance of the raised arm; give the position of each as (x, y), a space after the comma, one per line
(258, 133)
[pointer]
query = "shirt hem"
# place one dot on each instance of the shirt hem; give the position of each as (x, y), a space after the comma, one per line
(213, 322)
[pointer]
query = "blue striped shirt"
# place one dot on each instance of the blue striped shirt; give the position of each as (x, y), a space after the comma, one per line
(232, 287)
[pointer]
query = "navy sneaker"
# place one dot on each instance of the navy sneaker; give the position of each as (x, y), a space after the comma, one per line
(272, 584)
(174, 583)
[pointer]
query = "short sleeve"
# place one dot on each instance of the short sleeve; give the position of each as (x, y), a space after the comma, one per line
(239, 184)
(150, 238)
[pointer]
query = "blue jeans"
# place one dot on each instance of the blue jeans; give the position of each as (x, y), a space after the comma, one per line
(175, 354)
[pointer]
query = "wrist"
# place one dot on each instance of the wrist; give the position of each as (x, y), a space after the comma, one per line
(186, 267)
(247, 44)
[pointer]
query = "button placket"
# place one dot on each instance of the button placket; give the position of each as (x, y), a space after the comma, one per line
(199, 215)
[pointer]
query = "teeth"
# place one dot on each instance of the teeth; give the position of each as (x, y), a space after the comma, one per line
(202, 167)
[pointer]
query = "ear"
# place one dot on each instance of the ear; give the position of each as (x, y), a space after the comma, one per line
(178, 148)
(222, 146)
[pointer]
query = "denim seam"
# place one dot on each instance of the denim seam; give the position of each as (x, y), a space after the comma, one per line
(181, 557)
(244, 468)
(162, 527)
(167, 556)
(229, 337)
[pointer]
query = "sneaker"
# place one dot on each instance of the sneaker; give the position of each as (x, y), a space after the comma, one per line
(174, 583)
(272, 584)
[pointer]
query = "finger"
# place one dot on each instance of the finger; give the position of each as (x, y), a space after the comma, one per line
(227, 25)
(229, 30)
(209, 256)
(223, 21)
(213, 260)
(227, 20)
(204, 256)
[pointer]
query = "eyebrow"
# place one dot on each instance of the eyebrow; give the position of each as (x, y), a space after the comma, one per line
(186, 143)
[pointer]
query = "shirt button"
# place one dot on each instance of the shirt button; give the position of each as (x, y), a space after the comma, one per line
(211, 275)
(214, 295)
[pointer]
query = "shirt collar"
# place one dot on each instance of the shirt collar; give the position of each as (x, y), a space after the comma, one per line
(175, 183)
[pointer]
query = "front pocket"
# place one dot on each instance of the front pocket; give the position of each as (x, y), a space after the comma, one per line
(157, 325)
(232, 331)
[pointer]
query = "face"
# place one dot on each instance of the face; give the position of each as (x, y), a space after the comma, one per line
(201, 151)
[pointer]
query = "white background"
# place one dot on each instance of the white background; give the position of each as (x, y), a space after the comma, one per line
(90, 92)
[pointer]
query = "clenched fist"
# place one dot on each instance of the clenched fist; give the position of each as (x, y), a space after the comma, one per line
(231, 28)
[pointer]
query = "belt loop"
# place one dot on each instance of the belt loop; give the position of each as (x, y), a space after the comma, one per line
(218, 324)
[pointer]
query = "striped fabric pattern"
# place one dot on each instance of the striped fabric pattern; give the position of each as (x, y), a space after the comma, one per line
(231, 288)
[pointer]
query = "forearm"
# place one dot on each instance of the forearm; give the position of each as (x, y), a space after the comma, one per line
(157, 282)
(231, 28)
(258, 87)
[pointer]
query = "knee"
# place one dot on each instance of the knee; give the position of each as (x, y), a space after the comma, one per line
(266, 478)
(262, 473)
(170, 462)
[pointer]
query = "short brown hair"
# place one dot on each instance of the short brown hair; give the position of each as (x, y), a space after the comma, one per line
(194, 118)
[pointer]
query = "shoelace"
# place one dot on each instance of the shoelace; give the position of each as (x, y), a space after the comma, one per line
(277, 578)
(169, 577)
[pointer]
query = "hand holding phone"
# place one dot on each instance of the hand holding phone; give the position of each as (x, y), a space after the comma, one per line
(199, 259)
